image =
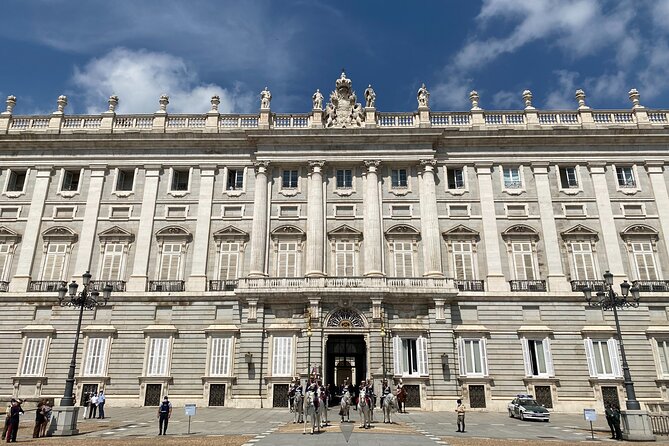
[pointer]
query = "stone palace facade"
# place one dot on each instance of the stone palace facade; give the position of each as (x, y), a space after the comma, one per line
(448, 249)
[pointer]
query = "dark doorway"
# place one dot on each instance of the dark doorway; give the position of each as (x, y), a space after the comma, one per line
(610, 396)
(217, 394)
(346, 357)
(87, 388)
(153, 394)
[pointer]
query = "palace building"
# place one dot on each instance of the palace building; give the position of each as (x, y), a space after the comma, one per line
(446, 249)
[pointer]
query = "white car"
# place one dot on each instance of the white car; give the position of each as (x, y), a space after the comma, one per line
(526, 407)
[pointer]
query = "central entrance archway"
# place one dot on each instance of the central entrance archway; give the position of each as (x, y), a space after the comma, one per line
(346, 357)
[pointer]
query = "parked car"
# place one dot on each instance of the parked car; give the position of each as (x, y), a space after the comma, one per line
(526, 407)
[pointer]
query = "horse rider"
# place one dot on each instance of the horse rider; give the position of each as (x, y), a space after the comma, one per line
(385, 391)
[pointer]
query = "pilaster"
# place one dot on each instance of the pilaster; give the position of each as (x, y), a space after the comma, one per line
(138, 280)
(606, 221)
(197, 281)
(259, 228)
(372, 221)
(429, 221)
(315, 221)
(495, 278)
(31, 231)
(556, 278)
(655, 170)
(87, 236)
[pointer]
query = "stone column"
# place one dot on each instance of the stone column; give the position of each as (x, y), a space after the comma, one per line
(606, 222)
(87, 236)
(556, 278)
(495, 279)
(429, 221)
(197, 281)
(259, 228)
(372, 222)
(31, 231)
(315, 219)
(655, 170)
(138, 280)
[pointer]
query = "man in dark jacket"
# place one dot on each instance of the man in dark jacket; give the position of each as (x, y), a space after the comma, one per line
(14, 415)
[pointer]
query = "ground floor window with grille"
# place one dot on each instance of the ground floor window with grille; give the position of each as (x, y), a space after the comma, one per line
(34, 356)
(410, 356)
(221, 356)
(159, 357)
(602, 356)
(96, 356)
(473, 357)
(537, 356)
(282, 356)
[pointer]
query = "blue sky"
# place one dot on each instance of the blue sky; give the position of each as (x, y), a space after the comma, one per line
(138, 49)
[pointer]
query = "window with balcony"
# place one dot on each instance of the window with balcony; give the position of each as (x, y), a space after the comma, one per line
(403, 258)
(54, 262)
(523, 261)
(537, 356)
(173, 242)
(282, 356)
(230, 246)
(641, 244)
(455, 178)
(158, 361)
(463, 260)
(410, 356)
(644, 261)
(114, 246)
(34, 356)
(461, 243)
(511, 177)
(95, 362)
(345, 248)
(344, 178)
(112, 262)
(399, 179)
(568, 177)
(220, 357)
(472, 357)
(344, 258)
(625, 177)
(403, 245)
(602, 356)
(287, 259)
(662, 346)
(228, 261)
(583, 260)
(8, 243)
(170, 262)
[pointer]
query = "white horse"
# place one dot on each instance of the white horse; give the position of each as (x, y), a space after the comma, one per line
(298, 408)
(364, 410)
(323, 408)
(345, 406)
(312, 410)
(389, 406)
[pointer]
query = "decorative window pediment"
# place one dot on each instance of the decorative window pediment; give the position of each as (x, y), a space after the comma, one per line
(115, 234)
(461, 232)
(8, 236)
(59, 234)
(580, 232)
(402, 231)
(640, 232)
(520, 231)
(173, 234)
(289, 231)
(230, 232)
(345, 231)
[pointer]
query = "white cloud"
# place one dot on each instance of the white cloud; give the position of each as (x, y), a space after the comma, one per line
(140, 77)
(507, 100)
(453, 93)
(562, 96)
(607, 86)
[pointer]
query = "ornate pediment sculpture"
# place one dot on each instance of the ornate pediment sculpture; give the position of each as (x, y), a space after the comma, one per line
(343, 110)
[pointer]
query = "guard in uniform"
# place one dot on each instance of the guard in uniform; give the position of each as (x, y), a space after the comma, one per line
(164, 414)
(385, 391)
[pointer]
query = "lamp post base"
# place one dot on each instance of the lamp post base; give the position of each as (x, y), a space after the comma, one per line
(63, 421)
(636, 426)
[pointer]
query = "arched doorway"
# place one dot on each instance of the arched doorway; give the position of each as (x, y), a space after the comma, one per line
(345, 350)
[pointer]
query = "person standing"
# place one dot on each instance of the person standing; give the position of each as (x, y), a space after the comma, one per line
(46, 410)
(164, 414)
(39, 418)
(460, 410)
(14, 417)
(608, 412)
(94, 406)
(101, 404)
(616, 422)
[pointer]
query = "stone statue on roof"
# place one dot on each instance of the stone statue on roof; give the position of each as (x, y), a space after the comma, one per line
(343, 110)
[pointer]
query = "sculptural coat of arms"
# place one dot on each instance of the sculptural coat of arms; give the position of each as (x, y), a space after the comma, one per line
(343, 110)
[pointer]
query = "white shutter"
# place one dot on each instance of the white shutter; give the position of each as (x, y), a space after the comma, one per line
(287, 259)
(55, 260)
(484, 357)
(170, 262)
(645, 261)
(4, 261)
(158, 357)
(421, 348)
(548, 355)
(228, 261)
(462, 358)
(589, 355)
(403, 259)
(33, 357)
(584, 264)
(220, 356)
(612, 344)
(111, 262)
(96, 357)
(397, 355)
(526, 356)
(344, 259)
(282, 356)
(463, 262)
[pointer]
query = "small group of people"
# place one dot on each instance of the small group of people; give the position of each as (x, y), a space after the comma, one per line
(94, 405)
(11, 428)
(612, 413)
(42, 418)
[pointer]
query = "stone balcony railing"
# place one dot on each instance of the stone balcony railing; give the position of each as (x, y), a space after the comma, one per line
(408, 283)
(213, 122)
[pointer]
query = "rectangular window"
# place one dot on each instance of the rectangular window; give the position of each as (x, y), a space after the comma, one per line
(235, 179)
(523, 259)
(663, 355)
(403, 210)
(644, 261)
(121, 212)
(584, 262)
(5, 260)
(112, 261)
(70, 180)
(180, 179)
(537, 355)
(228, 261)
(344, 210)
(455, 177)
(344, 178)
(410, 356)
(602, 356)
(473, 358)
(289, 179)
(159, 352)
(403, 254)
(221, 356)
(287, 259)
(344, 259)
(282, 357)
(463, 261)
(33, 357)
(512, 178)
(170, 262)
(625, 175)
(568, 179)
(125, 180)
(96, 357)
(54, 262)
(17, 181)
(398, 178)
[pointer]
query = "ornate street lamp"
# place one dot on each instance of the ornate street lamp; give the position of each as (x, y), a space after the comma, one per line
(85, 299)
(610, 300)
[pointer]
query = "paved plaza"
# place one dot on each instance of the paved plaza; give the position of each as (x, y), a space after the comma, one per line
(275, 427)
